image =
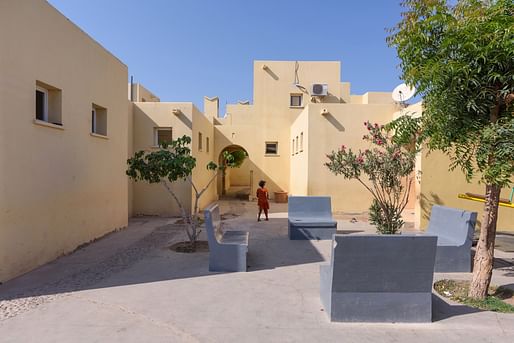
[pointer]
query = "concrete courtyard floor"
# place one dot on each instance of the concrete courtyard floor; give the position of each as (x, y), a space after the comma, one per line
(130, 287)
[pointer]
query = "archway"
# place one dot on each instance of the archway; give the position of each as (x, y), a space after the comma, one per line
(235, 182)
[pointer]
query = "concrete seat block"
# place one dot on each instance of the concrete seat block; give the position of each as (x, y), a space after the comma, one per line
(310, 217)
(454, 229)
(227, 249)
(374, 278)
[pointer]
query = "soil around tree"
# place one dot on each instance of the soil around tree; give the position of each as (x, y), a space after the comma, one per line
(499, 299)
(185, 247)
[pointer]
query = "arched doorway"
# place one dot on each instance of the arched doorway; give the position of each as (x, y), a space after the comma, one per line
(235, 183)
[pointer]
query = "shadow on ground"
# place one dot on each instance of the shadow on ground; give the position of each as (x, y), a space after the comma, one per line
(442, 310)
(149, 259)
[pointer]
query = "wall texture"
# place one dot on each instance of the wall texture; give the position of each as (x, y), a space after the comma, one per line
(153, 199)
(60, 186)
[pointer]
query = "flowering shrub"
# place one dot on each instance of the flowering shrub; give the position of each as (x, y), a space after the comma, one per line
(388, 167)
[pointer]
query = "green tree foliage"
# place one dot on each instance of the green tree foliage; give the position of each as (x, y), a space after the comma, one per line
(173, 162)
(461, 60)
(388, 167)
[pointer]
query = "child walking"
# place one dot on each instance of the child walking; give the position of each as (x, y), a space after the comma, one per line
(262, 200)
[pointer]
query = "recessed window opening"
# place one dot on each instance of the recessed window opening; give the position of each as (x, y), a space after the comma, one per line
(200, 138)
(99, 120)
(163, 135)
(48, 103)
(296, 100)
(271, 148)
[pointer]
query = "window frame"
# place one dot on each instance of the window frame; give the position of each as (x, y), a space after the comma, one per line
(45, 104)
(93, 120)
(295, 95)
(266, 148)
(156, 133)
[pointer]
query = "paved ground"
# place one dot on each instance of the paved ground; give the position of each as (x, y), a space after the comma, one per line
(129, 287)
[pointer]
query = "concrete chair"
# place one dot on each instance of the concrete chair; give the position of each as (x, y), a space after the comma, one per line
(310, 217)
(454, 229)
(227, 249)
(379, 278)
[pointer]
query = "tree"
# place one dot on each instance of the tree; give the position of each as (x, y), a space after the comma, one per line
(388, 167)
(461, 59)
(173, 162)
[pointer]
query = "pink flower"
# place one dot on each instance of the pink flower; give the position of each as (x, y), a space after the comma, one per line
(343, 147)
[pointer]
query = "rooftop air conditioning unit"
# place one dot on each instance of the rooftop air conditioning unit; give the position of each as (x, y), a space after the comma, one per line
(319, 89)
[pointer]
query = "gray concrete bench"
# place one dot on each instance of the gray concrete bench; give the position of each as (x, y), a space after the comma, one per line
(227, 249)
(379, 278)
(310, 217)
(454, 229)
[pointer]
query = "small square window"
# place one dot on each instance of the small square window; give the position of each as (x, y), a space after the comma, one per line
(296, 100)
(271, 148)
(99, 120)
(48, 103)
(163, 135)
(200, 138)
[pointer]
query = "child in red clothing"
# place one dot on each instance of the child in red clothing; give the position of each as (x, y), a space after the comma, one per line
(262, 200)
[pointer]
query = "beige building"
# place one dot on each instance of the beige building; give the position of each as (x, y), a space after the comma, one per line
(63, 137)
(70, 123)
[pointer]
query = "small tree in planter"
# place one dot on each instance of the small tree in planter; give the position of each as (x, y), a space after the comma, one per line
(173, 162)
(388, 166)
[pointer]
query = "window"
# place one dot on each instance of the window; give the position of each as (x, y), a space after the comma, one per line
(296, 100)
(41, 104)
(98, 120)
(207, 144)
(271, 148)
(292, 148)
(163, 135)
(48, 103)
(296, 147)
(200, 138)
(301, 141)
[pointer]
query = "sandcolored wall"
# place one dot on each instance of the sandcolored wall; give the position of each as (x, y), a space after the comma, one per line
(344, 124)
(201, 175)
(299, 173)
(60, 186)
(153, 199)
(441, 186)
(138, 93)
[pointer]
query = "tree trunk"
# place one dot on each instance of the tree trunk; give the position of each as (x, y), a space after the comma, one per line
(484, 256)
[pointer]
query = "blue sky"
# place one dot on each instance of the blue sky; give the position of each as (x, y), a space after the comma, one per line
(183, 50)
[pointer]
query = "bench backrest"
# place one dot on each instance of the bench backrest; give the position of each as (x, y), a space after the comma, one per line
(453, 224)
(213, 223)
(309, 206)
(383, 263)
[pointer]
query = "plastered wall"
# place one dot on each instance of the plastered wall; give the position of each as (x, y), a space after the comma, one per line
(60, 186)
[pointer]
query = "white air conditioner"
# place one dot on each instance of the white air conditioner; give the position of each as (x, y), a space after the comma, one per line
(319, 89)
